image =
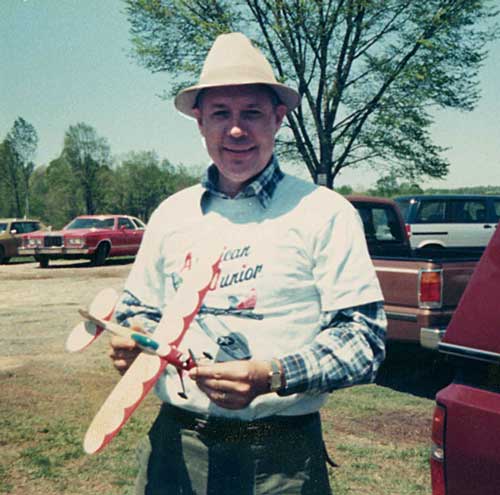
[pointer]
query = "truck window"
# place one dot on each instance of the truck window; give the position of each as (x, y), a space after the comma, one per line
(387, 226)
(431, 212)
(380, 223)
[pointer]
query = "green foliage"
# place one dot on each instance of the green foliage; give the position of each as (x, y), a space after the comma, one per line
(369, 72)
(465, 190)
(389, 187)
(142, 181)
(16, 166)
(89, 157)
(82, 179)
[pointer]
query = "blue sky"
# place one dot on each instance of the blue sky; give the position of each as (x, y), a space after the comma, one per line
(67, 61)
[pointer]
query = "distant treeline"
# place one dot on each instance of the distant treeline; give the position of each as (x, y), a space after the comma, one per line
(84, 179)
(87, 179)
(134, 186)
(390, 187)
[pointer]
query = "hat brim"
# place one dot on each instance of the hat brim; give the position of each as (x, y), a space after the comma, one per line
(186, 99)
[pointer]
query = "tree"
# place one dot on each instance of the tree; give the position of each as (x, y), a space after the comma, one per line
(370, 71)
(141, 182)
(19, 148)
(389, 187)
(89, 157)
(57, 194)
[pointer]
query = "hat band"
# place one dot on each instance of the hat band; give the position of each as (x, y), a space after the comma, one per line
(236, 75)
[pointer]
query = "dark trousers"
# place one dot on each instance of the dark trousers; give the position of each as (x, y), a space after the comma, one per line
(190, 454)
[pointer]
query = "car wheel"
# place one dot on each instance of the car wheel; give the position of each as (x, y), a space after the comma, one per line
(43, 261)
(101, 255)
(3, 259)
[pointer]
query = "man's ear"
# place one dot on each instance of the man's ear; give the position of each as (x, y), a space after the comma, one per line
(280, 112)
(197, 116)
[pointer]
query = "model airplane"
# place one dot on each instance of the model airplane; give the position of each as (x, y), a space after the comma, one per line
(160, 349)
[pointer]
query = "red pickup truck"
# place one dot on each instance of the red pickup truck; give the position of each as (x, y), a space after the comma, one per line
(421, 291)
(466, 425)
(95, 237)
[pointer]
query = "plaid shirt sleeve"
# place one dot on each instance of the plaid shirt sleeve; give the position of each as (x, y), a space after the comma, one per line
(130, 312)
(348, 351)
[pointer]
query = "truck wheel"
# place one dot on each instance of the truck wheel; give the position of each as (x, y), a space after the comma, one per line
(3, 259)
(43, 261)
(101, 255)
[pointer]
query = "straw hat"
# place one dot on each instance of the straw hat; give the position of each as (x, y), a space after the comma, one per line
(232, 61)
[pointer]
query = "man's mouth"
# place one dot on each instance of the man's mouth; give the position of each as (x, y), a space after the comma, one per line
(239, 150)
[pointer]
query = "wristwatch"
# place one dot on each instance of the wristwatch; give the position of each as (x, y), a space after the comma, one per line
(274, 376)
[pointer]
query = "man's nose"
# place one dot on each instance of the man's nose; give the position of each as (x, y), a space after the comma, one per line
(236, 130)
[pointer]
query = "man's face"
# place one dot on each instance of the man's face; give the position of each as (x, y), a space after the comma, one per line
(239, 124)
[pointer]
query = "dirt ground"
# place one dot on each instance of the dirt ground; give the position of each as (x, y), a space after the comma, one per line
(38, 307)
(36, 317)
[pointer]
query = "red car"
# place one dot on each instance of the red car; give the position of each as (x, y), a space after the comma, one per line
(465, 456)
(95, 237)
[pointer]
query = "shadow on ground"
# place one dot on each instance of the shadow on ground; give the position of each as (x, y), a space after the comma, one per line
(414, 370)
(57, 264)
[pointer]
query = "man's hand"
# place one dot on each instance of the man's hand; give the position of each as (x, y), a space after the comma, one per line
(233, 384)
(123, 353)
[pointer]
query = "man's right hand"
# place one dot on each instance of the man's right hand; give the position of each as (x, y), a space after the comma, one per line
(123, 353)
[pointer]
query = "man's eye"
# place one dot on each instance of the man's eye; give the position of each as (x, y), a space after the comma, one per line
(220, 114)
(253, 114)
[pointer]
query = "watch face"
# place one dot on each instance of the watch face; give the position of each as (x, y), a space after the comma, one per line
(275, 382)
(274, 377)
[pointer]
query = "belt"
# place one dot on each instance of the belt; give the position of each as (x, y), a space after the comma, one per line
(230, 429)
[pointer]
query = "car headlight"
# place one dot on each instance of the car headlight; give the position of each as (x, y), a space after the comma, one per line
(76, 241)
(33, 242)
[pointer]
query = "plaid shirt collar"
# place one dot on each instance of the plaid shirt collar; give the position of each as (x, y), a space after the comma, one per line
(263, 186)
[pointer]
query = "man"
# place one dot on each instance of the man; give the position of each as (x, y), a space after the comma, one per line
(296, 312)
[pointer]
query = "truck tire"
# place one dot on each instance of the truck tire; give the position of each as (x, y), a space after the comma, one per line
(101, 254)
(3, 259)
(43, 260)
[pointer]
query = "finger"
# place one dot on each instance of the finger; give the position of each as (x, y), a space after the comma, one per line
(122, 343)
(123, 354)
(122, 365)
(231, 370)
(137, 329)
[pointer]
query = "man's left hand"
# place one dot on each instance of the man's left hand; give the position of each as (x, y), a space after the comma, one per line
(233, 384)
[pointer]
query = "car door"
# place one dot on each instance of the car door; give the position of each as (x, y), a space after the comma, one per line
(429, 226)
(130, 236)
(17, 229)
(468, 223)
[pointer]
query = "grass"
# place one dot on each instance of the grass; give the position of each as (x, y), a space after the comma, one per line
(44, 419)
(379, 436)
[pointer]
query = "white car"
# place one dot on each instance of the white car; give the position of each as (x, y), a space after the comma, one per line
(450, 220)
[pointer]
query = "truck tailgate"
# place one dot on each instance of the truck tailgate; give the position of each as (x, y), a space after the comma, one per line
(399, 279)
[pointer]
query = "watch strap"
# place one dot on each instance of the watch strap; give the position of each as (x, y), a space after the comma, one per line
(274, 376)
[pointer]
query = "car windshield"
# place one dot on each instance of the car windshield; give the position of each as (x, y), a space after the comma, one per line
(91, 223)
(3, 227)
